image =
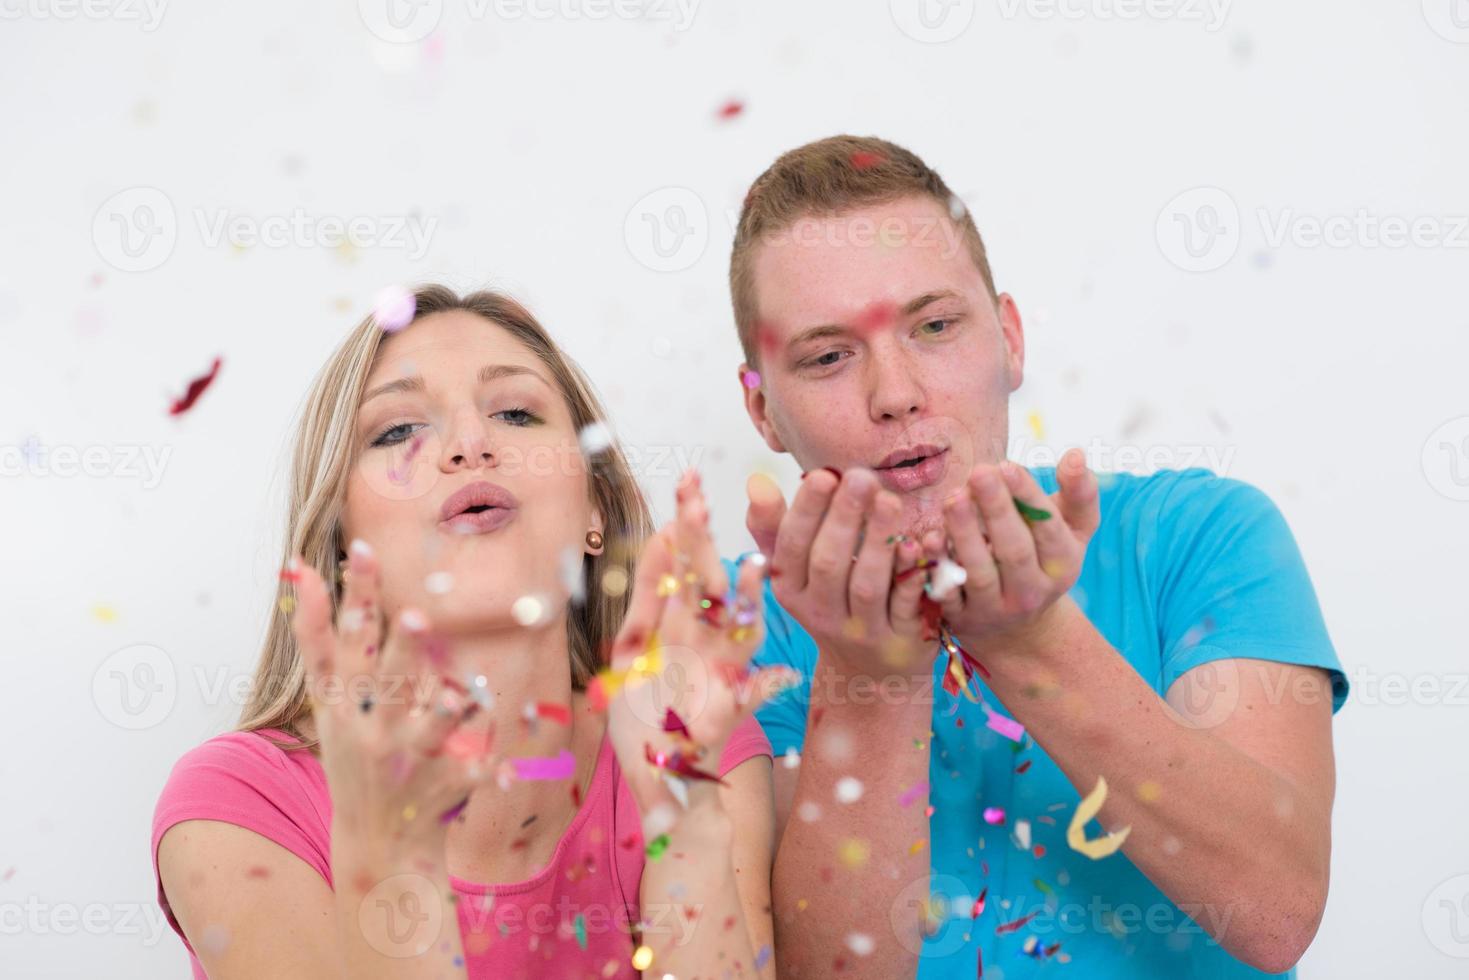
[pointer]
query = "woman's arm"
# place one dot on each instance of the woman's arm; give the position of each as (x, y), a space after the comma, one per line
(250, 908)
(706, 900)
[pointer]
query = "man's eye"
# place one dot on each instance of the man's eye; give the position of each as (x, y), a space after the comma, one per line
(935, 327)
(396, 434)
(828, 359)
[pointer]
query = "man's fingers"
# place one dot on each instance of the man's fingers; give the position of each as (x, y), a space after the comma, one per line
(872, 573)
(1055, 547)
(971, 548)
(798, 528)
(908, 579)
(1010, 539)
(836, 542)
(1079, 497)
(767, 508)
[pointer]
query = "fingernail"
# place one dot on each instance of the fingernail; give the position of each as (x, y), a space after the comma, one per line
(360, 547)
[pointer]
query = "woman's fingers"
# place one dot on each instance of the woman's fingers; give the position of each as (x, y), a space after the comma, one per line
(746, 618)
(312, 620)
(359, 617)
(695, 545)
(645, 609)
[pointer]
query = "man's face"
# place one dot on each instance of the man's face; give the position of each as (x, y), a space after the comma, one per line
(880, 346)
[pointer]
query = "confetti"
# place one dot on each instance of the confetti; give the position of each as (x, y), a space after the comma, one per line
(530, 610)
(1085, 811)
(978, 909)
(657, 846)
(642, 958)
(400, 473)
(560, 766)
(571, 567)
(750, 379)
(1008, 727)
(104, 613)
(439, 583)
(1149, 791)
(994, 816)
(867, 159)
(1021, 834)
(861, 944)
(945, 579)
(1016, 924)
(677, 763)
(593, 439)
(912, 793)
(730, 109)
(195, 389)
(1030, 513)
(394, 308)
(1037, 426)
(559, 713)
(876, 316)
(849, 789)
(854, 853)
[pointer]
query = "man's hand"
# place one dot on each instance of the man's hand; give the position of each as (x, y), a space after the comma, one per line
(1018, 566)
(839, 568)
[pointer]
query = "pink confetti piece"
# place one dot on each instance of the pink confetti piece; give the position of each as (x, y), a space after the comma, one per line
(1008, 727)
(994, 816)
(750, 379)
(560, 766)
(730, 110)
(394, 309)
(402, 473)
(912, 793)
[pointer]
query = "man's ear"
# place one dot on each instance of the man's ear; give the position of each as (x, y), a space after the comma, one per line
(756, 406)
(1014, 334)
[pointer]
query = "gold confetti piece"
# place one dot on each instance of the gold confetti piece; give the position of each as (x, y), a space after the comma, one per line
(917, 846)
(1037, 426)
(642, 958)
(1149, 791)
(409, 812)
(614, 582)
(104, 613)
(854, 853)
(853, 629)
(667, 586)
(1085, 811)
(287, 604)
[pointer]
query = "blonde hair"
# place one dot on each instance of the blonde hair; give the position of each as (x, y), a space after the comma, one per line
(826, 178)
(322, 460)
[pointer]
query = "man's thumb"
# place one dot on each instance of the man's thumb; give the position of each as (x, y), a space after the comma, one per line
(767, 507)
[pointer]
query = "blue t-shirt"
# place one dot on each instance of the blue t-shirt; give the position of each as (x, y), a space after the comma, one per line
(1186, 568)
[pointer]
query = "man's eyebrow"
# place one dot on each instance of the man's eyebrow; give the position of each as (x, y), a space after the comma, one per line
(488, 373)
(836, 329)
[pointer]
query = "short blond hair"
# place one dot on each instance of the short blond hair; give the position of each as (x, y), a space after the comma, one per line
(826, 178)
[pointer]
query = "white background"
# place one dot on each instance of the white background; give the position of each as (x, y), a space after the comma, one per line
(1321, 373)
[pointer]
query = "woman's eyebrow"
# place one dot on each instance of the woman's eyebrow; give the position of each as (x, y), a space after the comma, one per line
(488, 373)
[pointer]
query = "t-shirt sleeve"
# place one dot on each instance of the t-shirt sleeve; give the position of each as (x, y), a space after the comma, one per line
(242, 778)
(1233, 584)
(783, 717)
(746, 742)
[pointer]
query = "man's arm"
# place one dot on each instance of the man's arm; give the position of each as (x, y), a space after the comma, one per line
(1233, 819)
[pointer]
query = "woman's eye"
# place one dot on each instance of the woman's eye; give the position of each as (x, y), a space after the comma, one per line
(517, 416)
(395, 435)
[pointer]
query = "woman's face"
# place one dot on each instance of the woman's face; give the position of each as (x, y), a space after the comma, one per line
(469, 482)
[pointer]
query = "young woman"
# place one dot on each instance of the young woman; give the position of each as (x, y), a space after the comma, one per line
(503, 744)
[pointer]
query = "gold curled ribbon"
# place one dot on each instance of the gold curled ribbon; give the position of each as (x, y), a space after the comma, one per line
(1085, 810)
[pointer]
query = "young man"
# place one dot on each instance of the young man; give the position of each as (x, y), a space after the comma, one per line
(1156, 637)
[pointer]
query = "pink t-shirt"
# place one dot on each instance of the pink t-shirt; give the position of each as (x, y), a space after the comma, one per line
(572, 919)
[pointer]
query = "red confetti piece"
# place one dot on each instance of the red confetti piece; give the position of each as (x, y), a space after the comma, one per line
(1040, 850)
(1005, 927)
(876, 316)
(195, 389)
(678, 764)
(1023, 767)
(867, 159)
(258, 871)
(978, 909)
(558, 713)
(730, 110)
(673, 723)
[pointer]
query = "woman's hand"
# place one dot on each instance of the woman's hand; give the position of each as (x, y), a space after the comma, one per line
(398, 764)
(680, 679)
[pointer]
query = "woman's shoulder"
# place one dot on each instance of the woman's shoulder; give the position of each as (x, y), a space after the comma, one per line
(261, 780)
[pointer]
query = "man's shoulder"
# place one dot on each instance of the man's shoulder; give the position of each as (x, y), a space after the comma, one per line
(1166, 497)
